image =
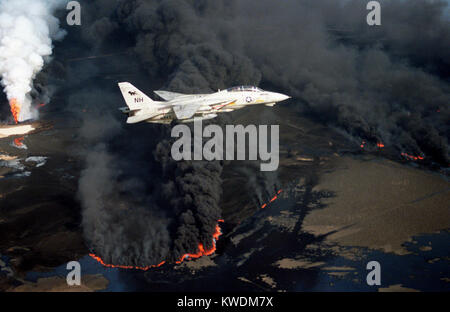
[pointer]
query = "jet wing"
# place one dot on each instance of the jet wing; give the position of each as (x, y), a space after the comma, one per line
(185, 111)
(167, 95)
(188, 108)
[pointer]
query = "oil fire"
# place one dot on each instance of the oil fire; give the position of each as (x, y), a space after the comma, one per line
(15, 109)
(363, 143)
(272, 199)
(379, 144)
(411, 157)
(201, 252)
(125, 266)
(19, 141)
(201, 249)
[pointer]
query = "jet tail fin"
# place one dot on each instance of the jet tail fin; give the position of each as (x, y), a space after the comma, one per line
(134, 98)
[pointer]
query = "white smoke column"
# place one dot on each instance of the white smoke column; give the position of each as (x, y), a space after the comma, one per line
(27, 28)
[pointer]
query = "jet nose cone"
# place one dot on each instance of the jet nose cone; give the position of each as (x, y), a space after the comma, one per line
(281, 97)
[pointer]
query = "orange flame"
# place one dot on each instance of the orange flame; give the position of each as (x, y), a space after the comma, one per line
(272, 199)
(125, 266)
(411, 157)
(201, 249)
(379, 144)
(363, 143)
(18, 141)
(15, 109)
(201, 252)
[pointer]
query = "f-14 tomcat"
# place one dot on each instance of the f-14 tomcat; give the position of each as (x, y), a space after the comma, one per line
(187, 107)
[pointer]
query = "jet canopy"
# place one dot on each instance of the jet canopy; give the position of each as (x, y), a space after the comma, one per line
(244, 88)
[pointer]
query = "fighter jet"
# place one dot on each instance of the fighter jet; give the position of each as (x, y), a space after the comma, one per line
(187, 107)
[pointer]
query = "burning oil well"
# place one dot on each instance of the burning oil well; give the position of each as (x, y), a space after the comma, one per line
(200, 253)
(26, 34)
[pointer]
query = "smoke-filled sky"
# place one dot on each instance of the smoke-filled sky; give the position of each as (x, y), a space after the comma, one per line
(386, 83)
(375, 83)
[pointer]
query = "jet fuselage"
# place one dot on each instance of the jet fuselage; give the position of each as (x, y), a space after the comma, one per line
(187, 107)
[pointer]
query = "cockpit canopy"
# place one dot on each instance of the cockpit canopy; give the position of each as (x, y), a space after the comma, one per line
(244, 89)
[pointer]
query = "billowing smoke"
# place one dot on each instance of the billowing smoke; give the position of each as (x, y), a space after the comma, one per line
(117, 220)
(27, 28)
(384, 83)
(387, 83)
(140, 206)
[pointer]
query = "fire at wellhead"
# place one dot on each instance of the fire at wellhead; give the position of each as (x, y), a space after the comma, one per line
(27, 29)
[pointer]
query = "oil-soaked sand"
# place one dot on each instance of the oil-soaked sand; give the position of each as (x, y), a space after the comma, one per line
(380, 204)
